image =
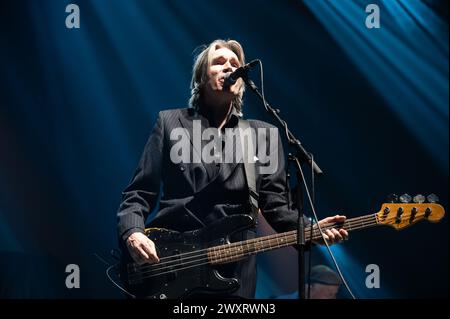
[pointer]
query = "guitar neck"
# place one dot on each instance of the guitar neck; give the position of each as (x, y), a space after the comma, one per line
(238, 250)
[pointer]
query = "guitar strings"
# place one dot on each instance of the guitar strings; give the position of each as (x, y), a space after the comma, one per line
(348, 224)
(202, 253)
(223, 259)
(230, 257)
(203, 261)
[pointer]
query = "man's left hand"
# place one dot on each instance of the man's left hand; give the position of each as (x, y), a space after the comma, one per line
(332, 235)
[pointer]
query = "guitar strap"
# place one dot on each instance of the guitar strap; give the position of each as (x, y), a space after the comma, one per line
(248, 156)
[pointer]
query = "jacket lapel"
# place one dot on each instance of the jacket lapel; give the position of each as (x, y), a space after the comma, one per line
(195, 125)
(195, 130)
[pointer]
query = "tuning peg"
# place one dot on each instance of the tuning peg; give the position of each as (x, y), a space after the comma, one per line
(432, 198)
(405, 198)
(419, 199)
(392, 198)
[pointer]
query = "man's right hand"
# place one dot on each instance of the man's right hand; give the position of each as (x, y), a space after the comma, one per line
(141, 248)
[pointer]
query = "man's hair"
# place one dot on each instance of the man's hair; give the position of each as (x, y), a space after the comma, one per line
(200, 67)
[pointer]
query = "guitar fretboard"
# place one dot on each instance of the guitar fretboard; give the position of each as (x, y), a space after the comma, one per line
(231, 252)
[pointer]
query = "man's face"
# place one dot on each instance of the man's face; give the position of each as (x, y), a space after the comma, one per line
(319, 291)
(223, 60)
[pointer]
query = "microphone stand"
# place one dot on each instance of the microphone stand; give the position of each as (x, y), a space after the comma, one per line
(301, 156)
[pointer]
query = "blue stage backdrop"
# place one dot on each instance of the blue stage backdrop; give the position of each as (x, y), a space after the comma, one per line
(77, 106)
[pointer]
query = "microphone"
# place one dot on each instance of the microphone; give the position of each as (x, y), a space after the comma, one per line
(231, 77)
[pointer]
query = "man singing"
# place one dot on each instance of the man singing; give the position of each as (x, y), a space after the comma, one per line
(195, 193)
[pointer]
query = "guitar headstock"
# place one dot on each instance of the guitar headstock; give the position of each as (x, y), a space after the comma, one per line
(405, 211)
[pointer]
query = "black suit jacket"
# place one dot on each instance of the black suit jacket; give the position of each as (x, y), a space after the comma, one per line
(195, 194)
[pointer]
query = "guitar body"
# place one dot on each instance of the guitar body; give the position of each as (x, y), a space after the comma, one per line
(183, 269)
